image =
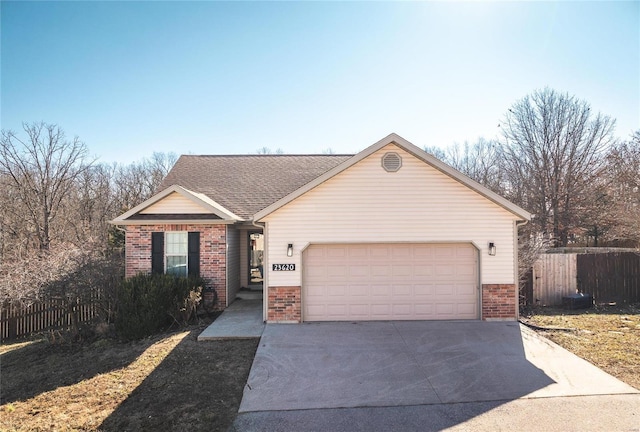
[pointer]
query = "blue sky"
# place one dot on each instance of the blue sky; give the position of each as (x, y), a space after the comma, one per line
(131, 78)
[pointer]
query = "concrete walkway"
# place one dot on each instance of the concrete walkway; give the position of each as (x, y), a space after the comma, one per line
(427, 375)
(605, 413)
(241, 320)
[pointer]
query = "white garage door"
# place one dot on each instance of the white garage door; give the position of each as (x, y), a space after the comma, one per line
(345, 282)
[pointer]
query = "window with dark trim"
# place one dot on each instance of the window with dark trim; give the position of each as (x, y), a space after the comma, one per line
(175, 252)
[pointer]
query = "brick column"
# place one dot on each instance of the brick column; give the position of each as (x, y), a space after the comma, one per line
(284, 304)
(138, 249)
(499, 302)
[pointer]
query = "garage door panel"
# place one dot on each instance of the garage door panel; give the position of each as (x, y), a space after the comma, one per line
(445, 310)
(335, 291)
(360, 310)
(466, 252)
(464, 271)
(424, 271)
(424, 311)
(315, 272)
(317, 309)
(468, 309)
(382, 252)
(380, 310)
(357, 252)
(390, 281)
(426, 251)
(402, 271)
(402, 310)
(423, 290)
(380, 290)
(402, 252)
(314, 253)
(445, 254)
(334, 271)
(445, 270)
(403, 291)
(381, 271)
(318, 291)
(359, 290)
(444, 290)
(335, 310)
(466, 290)
(334, 251)
(359, 272)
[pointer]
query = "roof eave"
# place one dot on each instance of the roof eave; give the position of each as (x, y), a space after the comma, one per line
(173, 221)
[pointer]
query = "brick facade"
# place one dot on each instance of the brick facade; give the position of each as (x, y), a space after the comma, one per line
(213, 252)
(499, 302)
(284, 304)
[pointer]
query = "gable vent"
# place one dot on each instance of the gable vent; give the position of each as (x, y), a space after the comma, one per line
(391, 162)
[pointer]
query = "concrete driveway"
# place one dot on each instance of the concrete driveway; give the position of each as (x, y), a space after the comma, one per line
(376, 375)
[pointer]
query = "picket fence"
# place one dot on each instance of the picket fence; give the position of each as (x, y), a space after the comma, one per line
(19, 321)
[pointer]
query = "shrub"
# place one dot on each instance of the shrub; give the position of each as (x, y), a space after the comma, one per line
(151, 303)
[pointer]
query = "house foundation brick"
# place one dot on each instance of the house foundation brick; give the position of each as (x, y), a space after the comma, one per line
(284, 304)
(213, 253)
(499, 302)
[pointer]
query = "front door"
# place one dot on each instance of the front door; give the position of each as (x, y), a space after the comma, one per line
(256, 254)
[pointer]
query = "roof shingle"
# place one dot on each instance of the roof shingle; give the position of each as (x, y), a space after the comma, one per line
(247, 184)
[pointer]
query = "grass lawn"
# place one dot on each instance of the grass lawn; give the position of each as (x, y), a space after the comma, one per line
(166, 382)
(607, 336)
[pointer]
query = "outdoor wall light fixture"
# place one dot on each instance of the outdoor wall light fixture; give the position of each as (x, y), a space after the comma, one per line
(492, 248)
(290, 249)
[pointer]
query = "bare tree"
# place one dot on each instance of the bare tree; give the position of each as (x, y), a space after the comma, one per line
(623, 191)
(138, 181)
(478, 161)
(268, 151)
(89, 207)
(438, 153)
(41, 170)
(552, 152)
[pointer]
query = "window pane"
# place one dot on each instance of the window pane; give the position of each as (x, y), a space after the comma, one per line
(177, 265)
(176, 243)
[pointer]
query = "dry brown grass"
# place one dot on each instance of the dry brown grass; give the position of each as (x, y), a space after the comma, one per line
(607, 336)
(168, 382)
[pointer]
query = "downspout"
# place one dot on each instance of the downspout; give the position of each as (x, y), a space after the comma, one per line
(517, 265)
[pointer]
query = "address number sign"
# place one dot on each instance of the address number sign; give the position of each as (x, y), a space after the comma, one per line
(283, 267)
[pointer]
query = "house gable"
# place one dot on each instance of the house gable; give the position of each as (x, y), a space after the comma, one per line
(417, 193)
(177, 204)
(406, 146)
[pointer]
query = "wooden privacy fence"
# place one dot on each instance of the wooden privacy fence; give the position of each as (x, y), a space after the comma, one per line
(51, 314)
(609, 277)
(612, 277)
(554, 276)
